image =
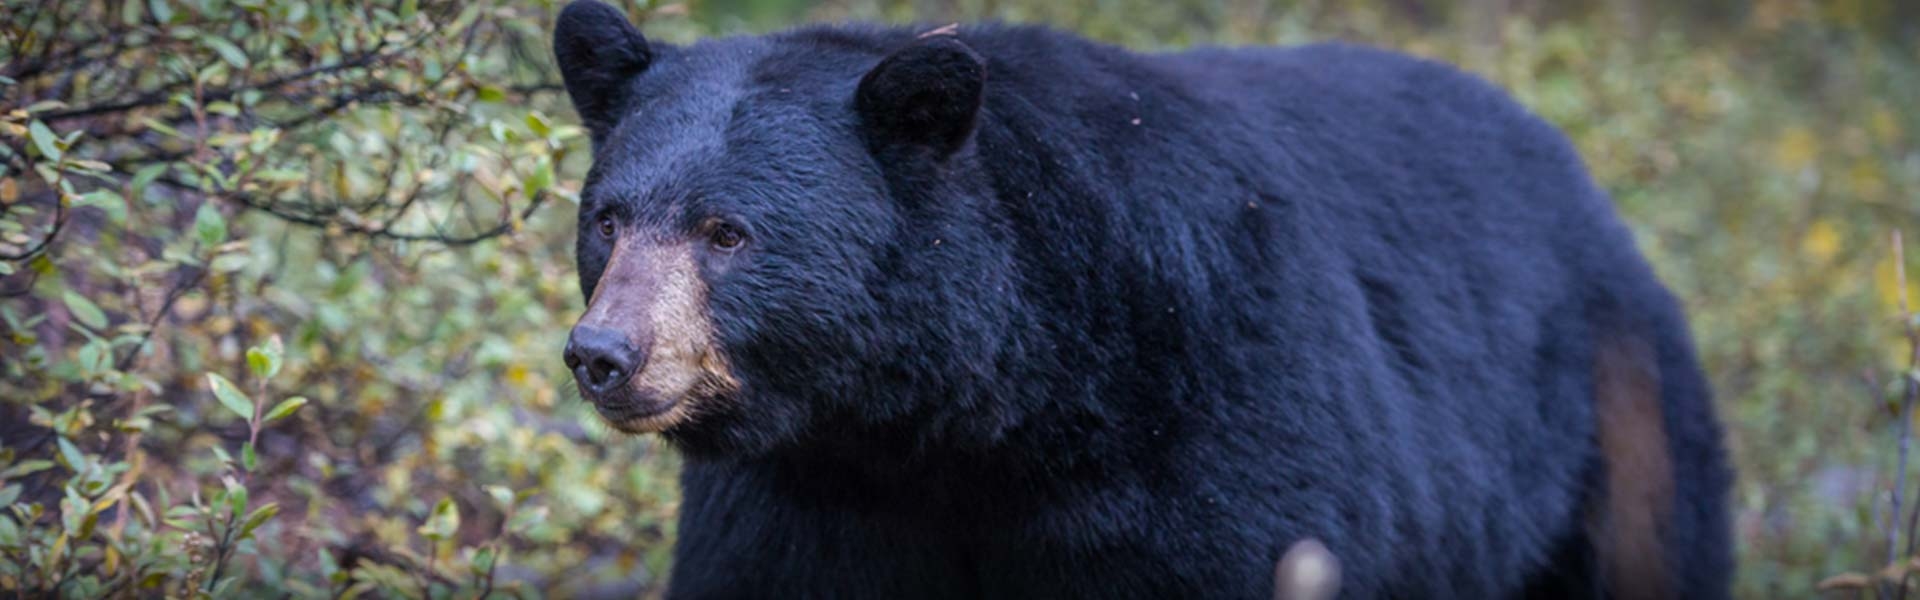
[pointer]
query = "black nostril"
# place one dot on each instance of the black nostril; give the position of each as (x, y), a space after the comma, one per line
(603, 371)
(600, 358)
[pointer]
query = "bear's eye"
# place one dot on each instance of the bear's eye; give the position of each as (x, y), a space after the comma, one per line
(606, 227)
(726, 236)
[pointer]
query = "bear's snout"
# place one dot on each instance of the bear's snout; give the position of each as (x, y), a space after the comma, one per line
(644, 352)
(603, 359)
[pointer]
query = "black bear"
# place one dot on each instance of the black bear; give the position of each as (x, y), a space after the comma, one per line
(998, 312)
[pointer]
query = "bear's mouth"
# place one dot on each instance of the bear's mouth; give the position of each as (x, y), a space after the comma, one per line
(649, 402)
(641, 409)
(641, 416)
(634, 409)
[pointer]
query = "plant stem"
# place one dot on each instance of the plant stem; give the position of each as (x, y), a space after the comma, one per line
(1911, 392)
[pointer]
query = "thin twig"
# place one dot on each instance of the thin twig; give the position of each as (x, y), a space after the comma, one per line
(1905, 429)
(1907, 399)
(164, 93)
(59, 223)
(166, 306)
(1912, 391)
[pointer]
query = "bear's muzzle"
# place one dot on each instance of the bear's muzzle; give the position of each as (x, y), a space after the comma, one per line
(644, 352)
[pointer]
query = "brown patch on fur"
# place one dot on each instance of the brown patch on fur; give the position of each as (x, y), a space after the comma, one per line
(1627, 526)
(653, 293)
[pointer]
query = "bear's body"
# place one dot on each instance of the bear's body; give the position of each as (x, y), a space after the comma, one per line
(1146, 321)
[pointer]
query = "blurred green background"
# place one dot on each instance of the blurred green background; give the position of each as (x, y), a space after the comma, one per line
(297, 321)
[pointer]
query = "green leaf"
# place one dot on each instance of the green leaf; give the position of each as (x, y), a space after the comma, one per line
(228, 263)
(258, 517)
(76, 459)
(542, 177)
(44, 140)
(221, 453)
(279, 175)
(209, 225)
(181, 513)
(525, 520)
(162, 11)
(236, 494)
(87, 165)
(73, 512)
(9, 532)
(538, 123)
(26, 467)
(107, 201)
(9, 494)
(329, 569)
(502, 495)
(247, 457)
(482, 562)
(260, 140)
(233, 54)
(156, 125)
(142, 508)
(134, 424)
(94, 356)
(263, 362)
(284, 409)
(444, 521)
(230, 396)
(84, 310)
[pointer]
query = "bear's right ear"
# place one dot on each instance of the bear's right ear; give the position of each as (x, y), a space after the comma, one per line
(599, 52)
(926, 95)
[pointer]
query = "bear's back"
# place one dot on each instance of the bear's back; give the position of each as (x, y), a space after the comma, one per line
(1390, 235)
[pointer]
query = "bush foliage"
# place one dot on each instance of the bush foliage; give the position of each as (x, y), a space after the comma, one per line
(283, 283)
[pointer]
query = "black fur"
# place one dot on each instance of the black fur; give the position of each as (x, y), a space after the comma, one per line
(1138, 323)
(608, 51)
(927, 94)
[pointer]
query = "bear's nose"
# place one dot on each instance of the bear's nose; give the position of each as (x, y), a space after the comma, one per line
(602, 359)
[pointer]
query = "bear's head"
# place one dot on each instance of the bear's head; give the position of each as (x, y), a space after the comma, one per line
(785, 238)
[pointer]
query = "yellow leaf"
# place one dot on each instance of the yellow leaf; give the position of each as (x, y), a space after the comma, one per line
(1822, 241)
(1884, 125)
(1795, 149)
(1887, 281)
(59, 549)
(1866, 180)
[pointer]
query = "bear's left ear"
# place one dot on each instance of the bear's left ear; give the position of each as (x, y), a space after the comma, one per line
(926, 95)
(599, 53)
